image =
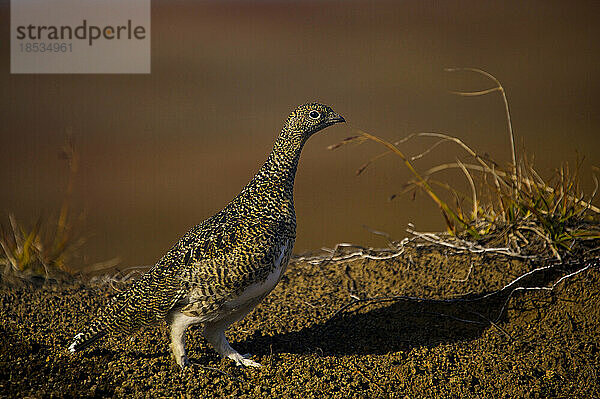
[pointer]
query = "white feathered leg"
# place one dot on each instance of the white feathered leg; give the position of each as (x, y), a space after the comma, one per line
(215, 335)
(214, 332)
(178, 324)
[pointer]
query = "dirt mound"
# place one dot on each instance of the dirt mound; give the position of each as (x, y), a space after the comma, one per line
(535, 343)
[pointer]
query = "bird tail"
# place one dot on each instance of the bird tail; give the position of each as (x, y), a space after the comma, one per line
(86, 338)
(105, 322)
(140, 305)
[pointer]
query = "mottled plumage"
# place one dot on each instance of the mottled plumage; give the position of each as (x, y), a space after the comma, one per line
(223, 267)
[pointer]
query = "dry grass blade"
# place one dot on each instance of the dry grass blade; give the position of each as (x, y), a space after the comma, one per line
(348, 140)
(499, 88)
(473, 190)
(428, 150)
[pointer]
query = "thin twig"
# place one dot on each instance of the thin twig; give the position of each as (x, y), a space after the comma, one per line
(551, 288)
(462, 280)
(495, 325)
(463, 245)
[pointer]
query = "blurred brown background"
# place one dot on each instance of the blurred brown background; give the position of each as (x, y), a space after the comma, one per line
(161, 152)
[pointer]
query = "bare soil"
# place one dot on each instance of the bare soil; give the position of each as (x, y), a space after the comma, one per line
(535, 343)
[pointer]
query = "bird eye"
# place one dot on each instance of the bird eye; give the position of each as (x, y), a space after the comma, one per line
(314, 114)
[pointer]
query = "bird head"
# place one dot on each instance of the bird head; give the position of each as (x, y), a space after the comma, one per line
(310, 118)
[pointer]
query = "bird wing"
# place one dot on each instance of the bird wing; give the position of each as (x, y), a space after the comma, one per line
(212, 282)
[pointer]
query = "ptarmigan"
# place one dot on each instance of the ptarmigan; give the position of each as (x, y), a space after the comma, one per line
(223, 267)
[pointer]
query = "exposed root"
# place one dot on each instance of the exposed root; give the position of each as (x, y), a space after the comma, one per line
(340, 254)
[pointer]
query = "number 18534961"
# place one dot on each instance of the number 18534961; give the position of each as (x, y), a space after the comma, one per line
(41, 47)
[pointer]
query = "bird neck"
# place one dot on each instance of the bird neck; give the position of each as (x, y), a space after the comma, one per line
(274, 182)
(282, 162)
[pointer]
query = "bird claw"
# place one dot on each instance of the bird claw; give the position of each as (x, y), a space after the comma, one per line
(184, 362)
(244, 361)
(249, 363)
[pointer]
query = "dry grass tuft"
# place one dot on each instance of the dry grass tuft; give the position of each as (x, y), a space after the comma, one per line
(45, 249)
(511, 206)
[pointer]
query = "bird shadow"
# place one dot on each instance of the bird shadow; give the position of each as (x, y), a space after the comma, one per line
(398, 326)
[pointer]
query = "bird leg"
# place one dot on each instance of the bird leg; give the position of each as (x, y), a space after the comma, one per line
(215, 335)
(178, 323)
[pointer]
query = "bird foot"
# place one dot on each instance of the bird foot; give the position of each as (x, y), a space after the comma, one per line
(244, 361)
(183, 362)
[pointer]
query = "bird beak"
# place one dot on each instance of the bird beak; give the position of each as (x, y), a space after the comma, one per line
(336, 118)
